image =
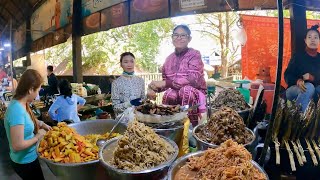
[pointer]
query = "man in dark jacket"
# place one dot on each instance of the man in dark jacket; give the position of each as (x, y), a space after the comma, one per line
(52, 81)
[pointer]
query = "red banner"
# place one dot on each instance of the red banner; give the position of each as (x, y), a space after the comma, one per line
(261, 49)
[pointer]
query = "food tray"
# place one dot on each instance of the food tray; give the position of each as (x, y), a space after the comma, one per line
(154, 118)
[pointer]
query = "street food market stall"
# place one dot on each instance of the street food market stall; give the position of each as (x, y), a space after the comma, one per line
(38, 39)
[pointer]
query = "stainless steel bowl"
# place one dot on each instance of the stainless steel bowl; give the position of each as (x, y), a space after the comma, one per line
(202, 145)
(243, 113)
(174, 133)
(86, 170)
(158, 172)
(183, 160)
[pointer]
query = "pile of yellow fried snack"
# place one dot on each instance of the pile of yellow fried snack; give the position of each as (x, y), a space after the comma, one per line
(64, 145)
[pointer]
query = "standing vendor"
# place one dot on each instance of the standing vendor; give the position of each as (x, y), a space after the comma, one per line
(183, 76)
(303, 72)
(52, 81)
(23, 129)
(128, 90)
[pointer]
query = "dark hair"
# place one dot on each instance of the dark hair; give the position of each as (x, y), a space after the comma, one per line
(184, 27)
(313, 28)
(50, 68)
(126, 54)
(65, 88)
(30, 80)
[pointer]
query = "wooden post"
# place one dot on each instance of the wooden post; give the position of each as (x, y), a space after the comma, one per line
(298, 24)
(28, 41)
(76, 42)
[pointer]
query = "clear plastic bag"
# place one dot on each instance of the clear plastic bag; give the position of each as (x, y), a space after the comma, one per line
(128, 115)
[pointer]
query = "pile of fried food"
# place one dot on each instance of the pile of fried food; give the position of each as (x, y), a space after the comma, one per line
(148, 107)
(141, 148)
(231, 98)
(64, 145)
(39, 104)
(228, 161)
(223, 125)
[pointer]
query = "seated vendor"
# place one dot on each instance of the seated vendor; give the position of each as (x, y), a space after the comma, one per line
(66, 105)
(183, 76)
(303, 72)
(128, 90)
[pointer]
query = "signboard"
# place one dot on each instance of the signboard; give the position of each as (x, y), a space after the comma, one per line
(92, 6)
(187, 5)
(115, 16)
(91, 24)
(52, 15)
(144, 10)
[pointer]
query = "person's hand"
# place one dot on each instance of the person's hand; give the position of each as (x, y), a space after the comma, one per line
(151, 94)
(300, 84)
(308, 77)
(40, 133)
(136, 102)
(46, 127)
(155, 85)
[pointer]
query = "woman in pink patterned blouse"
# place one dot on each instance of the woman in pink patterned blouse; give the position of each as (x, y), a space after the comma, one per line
(183, 76)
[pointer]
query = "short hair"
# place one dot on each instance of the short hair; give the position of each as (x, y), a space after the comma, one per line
(65, 88)
(50, 68)
(184, 27)
(126, 54)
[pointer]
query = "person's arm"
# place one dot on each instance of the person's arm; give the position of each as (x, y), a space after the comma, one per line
(16, 122)
(143, 91)
(17, 138)
(118, 106)
(192, 76)
(53, 110)
(43, 125)
(14, 83)
(291, 75)
(81, 102)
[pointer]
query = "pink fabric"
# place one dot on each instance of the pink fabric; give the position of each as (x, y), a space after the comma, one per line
(185, 83)
(184, 69)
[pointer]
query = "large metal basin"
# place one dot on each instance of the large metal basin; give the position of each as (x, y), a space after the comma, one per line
(173, 131)
(87, 170)
(183, 160)
(202, 145)
(243, 113)
(157, 173)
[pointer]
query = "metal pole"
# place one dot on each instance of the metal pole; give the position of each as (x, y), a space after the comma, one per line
(10, 54)
(278, 81)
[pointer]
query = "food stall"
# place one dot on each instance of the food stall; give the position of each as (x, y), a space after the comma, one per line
(53, 148)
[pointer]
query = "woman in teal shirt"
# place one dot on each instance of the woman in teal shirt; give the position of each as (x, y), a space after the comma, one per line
(23, 129)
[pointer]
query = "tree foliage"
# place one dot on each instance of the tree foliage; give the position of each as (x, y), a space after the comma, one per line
(218, 26)
(101, 51)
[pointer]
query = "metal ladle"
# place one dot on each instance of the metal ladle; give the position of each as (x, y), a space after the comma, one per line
(101, 142)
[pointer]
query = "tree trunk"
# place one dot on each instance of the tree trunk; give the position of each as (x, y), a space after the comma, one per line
(224, 60)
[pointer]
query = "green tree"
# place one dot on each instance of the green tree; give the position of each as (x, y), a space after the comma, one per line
(218, 26)
(101, 51)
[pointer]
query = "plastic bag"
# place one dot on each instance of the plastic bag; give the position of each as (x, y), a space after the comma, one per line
(128, 115)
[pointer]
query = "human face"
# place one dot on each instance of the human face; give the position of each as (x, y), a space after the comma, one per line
(312, 40)
(180, 39)
(33, 93)
(48, 72)
(127, 63)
